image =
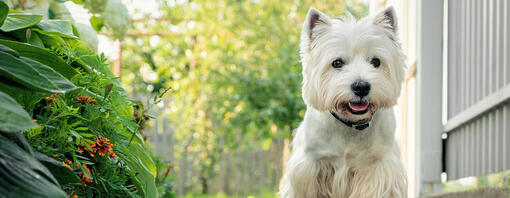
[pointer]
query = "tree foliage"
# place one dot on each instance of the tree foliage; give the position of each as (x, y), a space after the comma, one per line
(233, 67)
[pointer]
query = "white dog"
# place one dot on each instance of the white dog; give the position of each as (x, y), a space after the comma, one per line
(352, 75)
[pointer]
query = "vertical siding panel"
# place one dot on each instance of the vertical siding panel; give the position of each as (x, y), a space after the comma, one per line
(451, 61)
(461, 151)
(453, 155)
(506, 135)
(467, 49)
(472, 54)
(499, 45)
(490, 137)
(464, 150)
(499, 145)
(470, 148)
(494, 137)
(479, 50)
(506, 42)
(452, 106)
(461, 64)
(479, 146)
(485, 51)
(484, 150)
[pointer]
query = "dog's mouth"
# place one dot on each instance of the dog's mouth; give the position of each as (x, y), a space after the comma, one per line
(358, 108)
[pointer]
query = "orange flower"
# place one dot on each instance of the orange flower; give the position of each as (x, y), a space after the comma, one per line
(103, 145)
(85, 99)
(67, 165)
(51, 98)
(86, 168)
(112, 154)
(75, 196)
(84, 179)
(69, 162)
(84, 148)
(168, 165)
(54, 155)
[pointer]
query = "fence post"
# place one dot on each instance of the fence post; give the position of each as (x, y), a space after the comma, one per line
(429, 95)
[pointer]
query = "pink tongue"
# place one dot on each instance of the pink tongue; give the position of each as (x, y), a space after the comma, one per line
(358, 106)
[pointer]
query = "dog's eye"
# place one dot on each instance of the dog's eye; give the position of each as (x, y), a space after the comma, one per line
(375, 62)
(338, 63)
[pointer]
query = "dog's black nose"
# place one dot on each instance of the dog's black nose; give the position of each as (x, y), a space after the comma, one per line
(361, 88)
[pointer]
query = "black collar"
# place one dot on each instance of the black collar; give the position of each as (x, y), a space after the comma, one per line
(350, 123)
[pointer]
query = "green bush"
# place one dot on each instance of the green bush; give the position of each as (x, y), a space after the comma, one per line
(66, 126)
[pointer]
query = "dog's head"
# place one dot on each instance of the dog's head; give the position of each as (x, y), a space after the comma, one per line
(353, 68)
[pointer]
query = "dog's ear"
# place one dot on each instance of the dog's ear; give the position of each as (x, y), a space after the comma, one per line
(314, 20)
(387, 19)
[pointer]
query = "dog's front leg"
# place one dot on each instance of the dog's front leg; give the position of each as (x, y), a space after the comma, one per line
(383, 179)
(307, 178)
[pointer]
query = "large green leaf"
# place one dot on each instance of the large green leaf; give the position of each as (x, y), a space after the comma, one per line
(55, 78)
(139, 161)
(19, 21)
(63, 174)
(43, 56)
(62, 28)
(33, 74)
(12, 116)
(4, 10)
(21, 175)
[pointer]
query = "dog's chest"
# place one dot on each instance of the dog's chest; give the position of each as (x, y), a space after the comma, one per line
(353, 147)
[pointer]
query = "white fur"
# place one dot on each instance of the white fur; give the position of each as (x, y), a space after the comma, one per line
(330, 159)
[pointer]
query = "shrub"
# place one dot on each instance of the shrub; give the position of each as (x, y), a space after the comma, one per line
(66, 126)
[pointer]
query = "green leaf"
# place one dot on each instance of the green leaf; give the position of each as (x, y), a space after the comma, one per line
(33, 74)
(59, 81)
(62, 173)
(4, 10)
(21, 175)
(8, 50)
(43, 56)
(62, 28)
(139, 161)
(19, 21)
(96, 23)
(52, 41)
(12, 116)
(34, 39)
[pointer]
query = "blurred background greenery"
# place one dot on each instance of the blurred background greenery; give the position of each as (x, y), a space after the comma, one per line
(234, 76)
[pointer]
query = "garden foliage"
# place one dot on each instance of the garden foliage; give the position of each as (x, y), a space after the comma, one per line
(66, 126)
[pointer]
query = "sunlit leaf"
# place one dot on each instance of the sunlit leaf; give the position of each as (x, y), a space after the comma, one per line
(19, 21)
(62, 28)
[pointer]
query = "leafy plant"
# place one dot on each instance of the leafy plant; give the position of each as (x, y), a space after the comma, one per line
(66, 126)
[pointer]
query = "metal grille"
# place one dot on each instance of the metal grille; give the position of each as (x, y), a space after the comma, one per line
(477, 68)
